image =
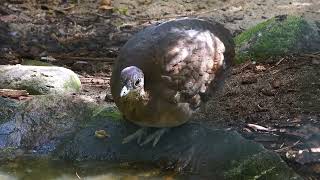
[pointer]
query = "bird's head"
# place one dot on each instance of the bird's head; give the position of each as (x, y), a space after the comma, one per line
(132, 82)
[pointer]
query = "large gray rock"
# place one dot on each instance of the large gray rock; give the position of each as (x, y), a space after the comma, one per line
(39, 79)
(40, 122)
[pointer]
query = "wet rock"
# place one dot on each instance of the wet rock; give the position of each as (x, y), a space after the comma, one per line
(43, 123)
(38, 123)
(278, 36)
(189, 149)
(39, 79)
(307, 150)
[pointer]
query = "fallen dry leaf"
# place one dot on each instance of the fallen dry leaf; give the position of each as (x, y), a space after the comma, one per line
(101, 134)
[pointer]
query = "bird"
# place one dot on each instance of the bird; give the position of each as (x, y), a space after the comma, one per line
(165, 72)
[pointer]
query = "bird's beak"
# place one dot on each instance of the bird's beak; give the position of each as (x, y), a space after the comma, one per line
(124, 91)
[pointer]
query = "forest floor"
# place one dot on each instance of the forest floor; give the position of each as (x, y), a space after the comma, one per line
(276, 103)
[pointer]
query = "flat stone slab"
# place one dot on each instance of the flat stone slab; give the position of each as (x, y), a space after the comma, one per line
(65, 128)
(39, 79)
(192, 150)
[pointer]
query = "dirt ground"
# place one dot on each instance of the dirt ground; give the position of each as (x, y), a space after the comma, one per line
(276, 103)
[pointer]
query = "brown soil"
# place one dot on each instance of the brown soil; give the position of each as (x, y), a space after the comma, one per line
(282, 94)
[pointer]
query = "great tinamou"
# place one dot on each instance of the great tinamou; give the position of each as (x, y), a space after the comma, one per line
(166, 71)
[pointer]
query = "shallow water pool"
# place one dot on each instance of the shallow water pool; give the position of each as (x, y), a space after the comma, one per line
(45, 169)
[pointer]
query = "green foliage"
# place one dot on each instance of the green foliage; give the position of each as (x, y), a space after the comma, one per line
(263, 165)
(8, 149)
(111, 112)
(276, 36)
(122, 11)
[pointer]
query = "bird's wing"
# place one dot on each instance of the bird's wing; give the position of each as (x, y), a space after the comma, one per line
(191, 58)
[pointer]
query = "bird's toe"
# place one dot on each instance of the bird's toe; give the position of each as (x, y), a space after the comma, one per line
(155, 137)
(136, 135)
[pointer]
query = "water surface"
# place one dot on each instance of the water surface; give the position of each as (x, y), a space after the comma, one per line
(46, 169)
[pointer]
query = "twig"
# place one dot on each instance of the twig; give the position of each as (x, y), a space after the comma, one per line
(311, 55)
(74, 58)
(279, 61)
(78, 175)
(94, 80)
(261, 108)
(288, 147)
(205, 12)
(107, 17)
(67, 8)
(258, 127)
(103, 16)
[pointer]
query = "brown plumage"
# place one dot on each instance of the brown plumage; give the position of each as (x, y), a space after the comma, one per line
(168, 69)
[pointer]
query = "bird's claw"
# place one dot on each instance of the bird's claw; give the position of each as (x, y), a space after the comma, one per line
(136, 135)
(155, 137)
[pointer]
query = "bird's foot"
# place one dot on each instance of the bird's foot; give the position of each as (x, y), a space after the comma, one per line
(155, 137)
(136, 135)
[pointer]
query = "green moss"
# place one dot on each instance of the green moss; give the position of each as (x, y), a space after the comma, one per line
(264, 165)
(30, 62)
(8, 149)
(122, 11)
(112, 112)
(73, 83)
(7, 109)
(274, 37)
(248, 34)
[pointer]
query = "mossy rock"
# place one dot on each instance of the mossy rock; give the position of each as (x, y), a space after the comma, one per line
(39, 122)
(279, 36)
(39, 80)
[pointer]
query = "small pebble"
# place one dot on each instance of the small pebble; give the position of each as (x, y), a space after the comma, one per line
(275, 84)
(315, 61)
(268, 92)
(249, 80)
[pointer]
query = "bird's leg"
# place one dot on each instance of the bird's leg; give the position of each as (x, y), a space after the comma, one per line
(155, 137)
(136, 135)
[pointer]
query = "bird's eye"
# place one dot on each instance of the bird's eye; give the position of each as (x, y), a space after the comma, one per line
(137, 82)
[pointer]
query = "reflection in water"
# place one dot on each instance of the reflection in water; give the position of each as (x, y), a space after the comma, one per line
(45, 169)
(4, 176)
